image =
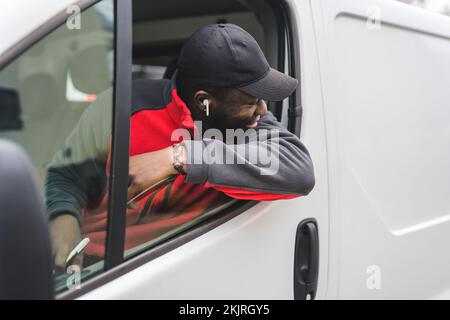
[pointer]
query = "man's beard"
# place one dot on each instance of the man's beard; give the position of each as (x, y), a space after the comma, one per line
(222, 124)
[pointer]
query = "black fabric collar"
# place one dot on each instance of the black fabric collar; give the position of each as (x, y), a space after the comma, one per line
(151, 94)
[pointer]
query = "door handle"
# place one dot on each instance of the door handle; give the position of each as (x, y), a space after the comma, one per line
(306, 260)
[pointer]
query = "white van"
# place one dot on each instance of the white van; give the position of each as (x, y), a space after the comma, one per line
(373, 108)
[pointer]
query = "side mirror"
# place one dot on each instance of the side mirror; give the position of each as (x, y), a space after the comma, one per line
(26, 270)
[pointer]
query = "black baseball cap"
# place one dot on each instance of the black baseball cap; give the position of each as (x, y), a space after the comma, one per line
(225, 55)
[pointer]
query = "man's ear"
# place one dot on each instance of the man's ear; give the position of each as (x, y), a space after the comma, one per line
(199, 98)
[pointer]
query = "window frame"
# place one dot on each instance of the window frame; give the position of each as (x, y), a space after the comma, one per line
(288, 33)
(118, 182)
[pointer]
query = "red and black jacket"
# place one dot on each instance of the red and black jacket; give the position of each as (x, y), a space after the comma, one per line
(157, 111)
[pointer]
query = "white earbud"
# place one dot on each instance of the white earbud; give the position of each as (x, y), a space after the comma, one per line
(206, 104)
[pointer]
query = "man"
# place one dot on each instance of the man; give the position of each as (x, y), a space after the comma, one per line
(222, 83)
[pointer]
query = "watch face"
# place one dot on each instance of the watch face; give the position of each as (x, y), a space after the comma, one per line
(180, 170)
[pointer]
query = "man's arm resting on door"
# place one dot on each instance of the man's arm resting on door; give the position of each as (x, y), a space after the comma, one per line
(288, 173)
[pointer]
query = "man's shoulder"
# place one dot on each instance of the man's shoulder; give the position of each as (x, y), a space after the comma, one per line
(150, 94)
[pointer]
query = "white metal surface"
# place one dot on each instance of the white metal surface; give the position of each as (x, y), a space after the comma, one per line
(386, 103)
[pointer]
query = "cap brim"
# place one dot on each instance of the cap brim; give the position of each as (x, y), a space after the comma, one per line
(274, 86)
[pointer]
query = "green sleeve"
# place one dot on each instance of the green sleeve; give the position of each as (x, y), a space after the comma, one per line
(76, 176)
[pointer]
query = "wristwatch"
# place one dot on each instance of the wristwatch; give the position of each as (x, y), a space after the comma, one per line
(179, 158)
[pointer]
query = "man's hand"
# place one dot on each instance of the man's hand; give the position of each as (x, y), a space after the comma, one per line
(149, 168)
(65, 235)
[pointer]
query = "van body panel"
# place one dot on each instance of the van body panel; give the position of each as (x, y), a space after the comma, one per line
(386, 103)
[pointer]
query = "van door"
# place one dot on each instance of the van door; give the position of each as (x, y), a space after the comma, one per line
(241, 250)
(385, 74)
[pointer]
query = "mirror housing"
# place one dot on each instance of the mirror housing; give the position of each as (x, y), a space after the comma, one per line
(26, 266)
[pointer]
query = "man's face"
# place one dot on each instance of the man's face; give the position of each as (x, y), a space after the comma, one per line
(236, 110)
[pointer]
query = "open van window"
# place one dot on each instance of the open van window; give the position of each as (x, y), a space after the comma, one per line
(159, 31)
